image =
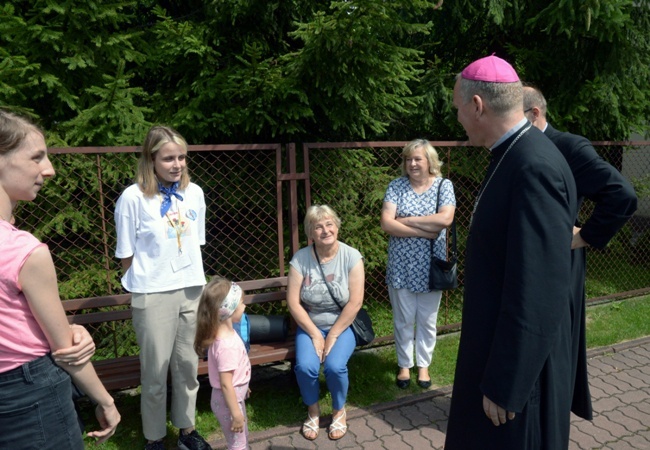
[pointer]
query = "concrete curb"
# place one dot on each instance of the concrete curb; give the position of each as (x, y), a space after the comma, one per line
(600, 351)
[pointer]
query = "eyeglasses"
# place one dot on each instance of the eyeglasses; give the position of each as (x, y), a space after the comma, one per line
(526, 110)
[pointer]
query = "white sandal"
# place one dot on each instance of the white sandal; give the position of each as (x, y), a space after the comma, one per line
(311, 425)
(336, 426)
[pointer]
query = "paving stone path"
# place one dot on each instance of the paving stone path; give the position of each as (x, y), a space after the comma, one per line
(620, 387)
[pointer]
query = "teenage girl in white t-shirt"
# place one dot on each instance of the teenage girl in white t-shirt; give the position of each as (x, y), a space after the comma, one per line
(160, 223)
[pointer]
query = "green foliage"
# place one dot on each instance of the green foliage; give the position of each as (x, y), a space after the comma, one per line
(353, 67)
(98, 73)
(621, 267)
(114, 119)
(88, 279)
(60, 55)
(642, 186)
(591, 59)
(590, 66)
(617, 322)
(74, 216)
(115, 339)
(360, 204)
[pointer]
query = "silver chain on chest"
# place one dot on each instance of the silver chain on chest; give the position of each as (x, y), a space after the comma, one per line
(480, 194)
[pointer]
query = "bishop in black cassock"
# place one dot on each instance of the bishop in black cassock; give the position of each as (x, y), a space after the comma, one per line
(513, 382)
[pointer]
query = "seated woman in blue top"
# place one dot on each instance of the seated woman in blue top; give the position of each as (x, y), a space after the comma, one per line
(324, 335)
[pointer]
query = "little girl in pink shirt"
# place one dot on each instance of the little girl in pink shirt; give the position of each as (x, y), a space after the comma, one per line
(229, 369)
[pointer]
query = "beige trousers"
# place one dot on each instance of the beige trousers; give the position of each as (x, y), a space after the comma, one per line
(165, 326)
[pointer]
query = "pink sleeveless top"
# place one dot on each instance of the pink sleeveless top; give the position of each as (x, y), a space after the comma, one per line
(21, 337)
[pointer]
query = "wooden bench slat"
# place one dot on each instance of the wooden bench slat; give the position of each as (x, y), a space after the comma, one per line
(100, 317)
(124, 381)
(267, 283)
(268, 353)
(124, 372)
(264, 297)
(119, 373)
(96, 302)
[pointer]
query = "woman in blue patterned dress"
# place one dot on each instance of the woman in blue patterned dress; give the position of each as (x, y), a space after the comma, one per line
(409, 216)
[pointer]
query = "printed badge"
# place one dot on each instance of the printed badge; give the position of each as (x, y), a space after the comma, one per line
(191, 214)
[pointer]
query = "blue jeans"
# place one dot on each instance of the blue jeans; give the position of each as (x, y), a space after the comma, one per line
(36, 408)
(335, 367)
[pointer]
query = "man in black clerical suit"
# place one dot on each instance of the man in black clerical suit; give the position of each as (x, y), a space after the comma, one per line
(513, 382)
(614, 203)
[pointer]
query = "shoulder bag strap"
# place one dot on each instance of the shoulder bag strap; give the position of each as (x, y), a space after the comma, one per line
(453, 240)
(325, 279)
(453, 227)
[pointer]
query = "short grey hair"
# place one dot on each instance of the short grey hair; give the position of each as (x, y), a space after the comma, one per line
(533, 97)
(502, 98)
(316, 213)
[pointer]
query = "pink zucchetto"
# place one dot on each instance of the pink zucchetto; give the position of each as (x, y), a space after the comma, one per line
(491, 69)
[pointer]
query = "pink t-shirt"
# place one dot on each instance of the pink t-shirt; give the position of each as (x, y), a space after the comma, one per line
(225, 355)
(21, 337)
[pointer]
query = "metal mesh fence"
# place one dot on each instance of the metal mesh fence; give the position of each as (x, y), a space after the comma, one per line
(622, 266)
(253, 191)
(74, 215)
(367, 173)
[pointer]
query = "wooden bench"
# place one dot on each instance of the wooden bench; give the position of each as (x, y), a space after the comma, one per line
(124, 371)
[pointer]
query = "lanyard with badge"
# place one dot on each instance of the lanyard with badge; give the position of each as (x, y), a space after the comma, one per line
(182, 260)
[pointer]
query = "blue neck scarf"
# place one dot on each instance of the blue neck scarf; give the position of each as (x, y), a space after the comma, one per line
(167, 193)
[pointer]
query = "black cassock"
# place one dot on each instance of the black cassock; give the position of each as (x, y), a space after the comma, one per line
(614, 203)
(515, 344)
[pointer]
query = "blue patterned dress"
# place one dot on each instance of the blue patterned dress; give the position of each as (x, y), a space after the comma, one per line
(409, 257)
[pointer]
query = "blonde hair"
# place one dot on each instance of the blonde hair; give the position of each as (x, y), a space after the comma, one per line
(146, 176)
(430, 154)
(319, 212)
(207, 315)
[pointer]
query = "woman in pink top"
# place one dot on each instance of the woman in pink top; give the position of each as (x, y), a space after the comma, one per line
(36, 408)
(229, 369)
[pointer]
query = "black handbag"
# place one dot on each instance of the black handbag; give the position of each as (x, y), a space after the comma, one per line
(362, 324)
(443, 274)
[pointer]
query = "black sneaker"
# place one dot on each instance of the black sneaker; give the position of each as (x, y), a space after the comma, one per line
(192, 441)
(155, 445)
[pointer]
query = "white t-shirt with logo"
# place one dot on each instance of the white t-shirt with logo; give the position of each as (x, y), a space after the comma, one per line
(166, 250)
